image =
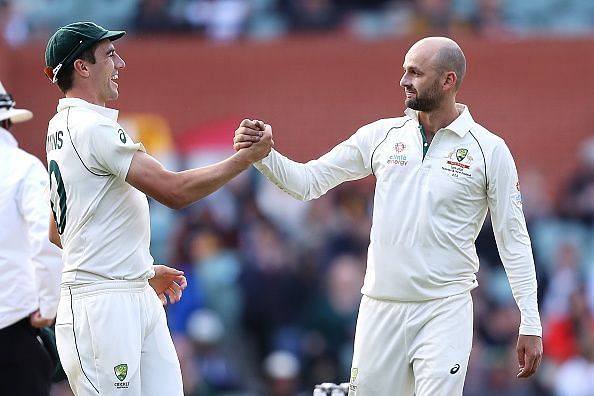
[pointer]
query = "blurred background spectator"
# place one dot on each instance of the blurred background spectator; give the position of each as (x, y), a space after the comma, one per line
(273, 283)
(226, 20)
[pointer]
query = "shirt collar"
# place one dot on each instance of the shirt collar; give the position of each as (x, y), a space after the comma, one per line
(77, 102)
(6, 138)
(460, 126)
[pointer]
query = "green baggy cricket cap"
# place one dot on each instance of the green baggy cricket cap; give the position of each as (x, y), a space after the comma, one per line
(64, 47)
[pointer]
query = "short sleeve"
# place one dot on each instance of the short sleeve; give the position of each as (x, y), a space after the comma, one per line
(111, 149)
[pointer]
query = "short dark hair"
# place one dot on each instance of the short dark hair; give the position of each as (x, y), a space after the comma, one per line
(451, 58)
(66, 76)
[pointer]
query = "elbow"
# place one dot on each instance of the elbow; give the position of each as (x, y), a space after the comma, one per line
(177, 204)
(174, 200)
(170, 193)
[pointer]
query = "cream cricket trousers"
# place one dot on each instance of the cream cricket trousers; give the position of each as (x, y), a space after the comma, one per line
(412, 348)
(113, 339)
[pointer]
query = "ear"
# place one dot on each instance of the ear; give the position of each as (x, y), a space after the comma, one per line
(450, 80)
(80, 66)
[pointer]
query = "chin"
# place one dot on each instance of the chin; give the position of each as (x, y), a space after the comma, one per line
(410, 103)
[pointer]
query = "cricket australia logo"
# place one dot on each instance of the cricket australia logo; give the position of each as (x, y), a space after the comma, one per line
(459, 162)
(461, 153)
(121, 371)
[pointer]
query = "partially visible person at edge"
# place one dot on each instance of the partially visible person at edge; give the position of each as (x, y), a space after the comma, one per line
(30, 265)
(437, 173)
(111, 330)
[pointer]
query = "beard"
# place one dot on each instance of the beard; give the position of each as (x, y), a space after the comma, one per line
(425, 102)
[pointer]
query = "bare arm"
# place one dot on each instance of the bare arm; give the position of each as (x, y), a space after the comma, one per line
(54, 236)
(179, 189)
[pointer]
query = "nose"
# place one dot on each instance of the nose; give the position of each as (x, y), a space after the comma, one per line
(404, 81)
(120, 64)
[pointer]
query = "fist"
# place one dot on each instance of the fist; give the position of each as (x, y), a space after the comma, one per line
(248, 133)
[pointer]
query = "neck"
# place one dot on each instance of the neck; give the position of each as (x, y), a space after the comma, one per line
(432, 121)
(85, 95)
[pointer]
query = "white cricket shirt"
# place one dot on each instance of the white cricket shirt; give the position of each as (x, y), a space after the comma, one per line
(102, 220)
(29, 263)
(428, 207)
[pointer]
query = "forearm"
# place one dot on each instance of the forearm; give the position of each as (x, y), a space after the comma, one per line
(516, 254)
(290, 176)
(314, 178)
(179, 189)
(524, 293)
(194, 184)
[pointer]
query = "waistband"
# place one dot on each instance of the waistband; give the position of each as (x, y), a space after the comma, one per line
(104, 286)
(464, 294)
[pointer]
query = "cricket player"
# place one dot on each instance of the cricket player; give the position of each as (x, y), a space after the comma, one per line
(437, 174)
(111, 330)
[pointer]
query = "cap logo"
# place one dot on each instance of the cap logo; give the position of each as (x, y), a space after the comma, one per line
(57, 68)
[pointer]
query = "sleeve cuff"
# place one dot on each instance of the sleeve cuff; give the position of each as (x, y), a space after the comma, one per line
(531, 331)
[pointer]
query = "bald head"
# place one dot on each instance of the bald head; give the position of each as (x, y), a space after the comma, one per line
(444, 54)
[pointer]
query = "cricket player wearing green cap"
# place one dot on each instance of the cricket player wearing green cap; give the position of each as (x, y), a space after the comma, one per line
(111, 329)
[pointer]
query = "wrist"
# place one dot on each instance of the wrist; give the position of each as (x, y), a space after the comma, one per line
(242, 159)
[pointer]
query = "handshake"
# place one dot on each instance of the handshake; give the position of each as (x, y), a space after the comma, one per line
(253, 140)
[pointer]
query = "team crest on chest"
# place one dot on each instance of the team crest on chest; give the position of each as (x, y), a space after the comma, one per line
(458, 162)
(398, 156)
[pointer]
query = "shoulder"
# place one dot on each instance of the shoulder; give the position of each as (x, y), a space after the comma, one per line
(488, 140)
(386, 124)
(380, 128)
(87, 119)
(86, 124)
(494, 148)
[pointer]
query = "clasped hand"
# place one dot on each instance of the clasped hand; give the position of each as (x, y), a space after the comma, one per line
(254, 135)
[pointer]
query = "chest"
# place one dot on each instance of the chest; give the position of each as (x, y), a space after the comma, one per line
(450, 168)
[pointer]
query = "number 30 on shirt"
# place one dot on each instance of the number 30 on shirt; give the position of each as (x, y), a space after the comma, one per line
(57, 196)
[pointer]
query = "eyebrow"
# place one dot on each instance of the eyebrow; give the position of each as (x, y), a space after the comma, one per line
(411, 68)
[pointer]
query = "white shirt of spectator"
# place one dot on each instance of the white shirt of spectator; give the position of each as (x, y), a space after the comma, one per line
(428, 210)
(103, 221)
(30, 265)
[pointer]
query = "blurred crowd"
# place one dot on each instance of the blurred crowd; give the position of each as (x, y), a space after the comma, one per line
(274, 286)
(227, 20)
